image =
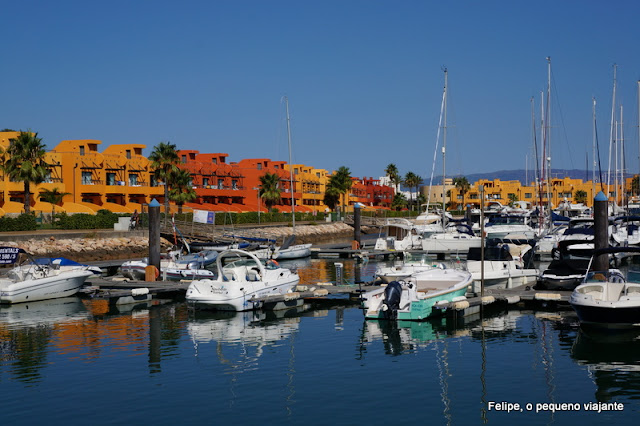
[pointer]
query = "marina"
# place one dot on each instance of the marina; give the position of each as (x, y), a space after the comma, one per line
(276, 365)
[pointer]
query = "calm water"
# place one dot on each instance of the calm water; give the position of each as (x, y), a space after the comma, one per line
(77, 362)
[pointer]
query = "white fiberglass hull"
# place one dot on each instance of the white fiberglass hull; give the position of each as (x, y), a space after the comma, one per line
(241, 285)
(500, 275)
(607, 304)
(450, 243)
(63, 284)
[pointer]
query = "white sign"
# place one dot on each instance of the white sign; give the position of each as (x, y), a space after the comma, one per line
(204, 216)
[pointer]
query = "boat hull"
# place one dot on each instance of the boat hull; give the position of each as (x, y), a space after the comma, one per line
(50, 287)
(422, 304)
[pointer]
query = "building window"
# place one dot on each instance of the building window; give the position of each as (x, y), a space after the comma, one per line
(234, 184)
(220, 183)
(133, 179)
(86, 178)
(128, 153)
(111, 178)
(153, 180)
(214, 160)
(81, 149)
(259, 166)
(527, 195)
(205, 181)
(184, 158)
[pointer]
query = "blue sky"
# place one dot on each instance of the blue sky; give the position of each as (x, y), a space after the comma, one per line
(364, 78)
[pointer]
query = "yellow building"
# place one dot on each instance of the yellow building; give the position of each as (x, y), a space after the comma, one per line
(119, 179)
(310, 183)
(12, 193)
(558, 191)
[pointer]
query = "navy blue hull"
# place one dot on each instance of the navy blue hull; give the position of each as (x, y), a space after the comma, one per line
(608, 316)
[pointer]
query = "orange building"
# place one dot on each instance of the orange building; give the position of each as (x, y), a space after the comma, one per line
(119, 180)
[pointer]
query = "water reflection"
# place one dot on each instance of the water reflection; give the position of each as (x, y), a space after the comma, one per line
(240, 338)
(27, 330)
(402, 337)
(612, 359)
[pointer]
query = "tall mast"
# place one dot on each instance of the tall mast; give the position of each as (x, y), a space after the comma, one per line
(444, 149)
(595, 164)
(613, 126)
(293, 203)
(548, 134)
(622, 162)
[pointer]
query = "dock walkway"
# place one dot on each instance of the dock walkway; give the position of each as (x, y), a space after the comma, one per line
(120, 291)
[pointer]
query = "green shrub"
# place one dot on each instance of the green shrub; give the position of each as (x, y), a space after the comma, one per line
(24, 222)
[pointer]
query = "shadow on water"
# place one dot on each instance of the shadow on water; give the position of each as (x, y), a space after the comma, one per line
(612, 359)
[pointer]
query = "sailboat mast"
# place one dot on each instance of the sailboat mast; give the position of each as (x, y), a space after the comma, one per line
(622, 163)
(293, 203)
(444, 149)
(593, 175)
(613, 125)
(548, 135)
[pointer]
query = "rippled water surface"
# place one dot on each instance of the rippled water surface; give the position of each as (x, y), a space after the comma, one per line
(71, 361)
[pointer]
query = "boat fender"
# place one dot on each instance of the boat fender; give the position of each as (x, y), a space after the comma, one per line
(547, 296)
(321, 292)
(291, 296)
(487, 300)
(459, 306)
(139, 291)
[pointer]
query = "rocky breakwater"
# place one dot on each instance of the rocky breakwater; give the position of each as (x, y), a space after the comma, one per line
(315, 234)
(88, 249)
(96, 248)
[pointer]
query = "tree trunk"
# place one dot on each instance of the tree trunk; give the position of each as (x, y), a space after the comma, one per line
(166, 199)
(27, 197)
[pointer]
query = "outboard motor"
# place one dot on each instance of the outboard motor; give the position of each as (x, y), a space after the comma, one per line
(391, 303)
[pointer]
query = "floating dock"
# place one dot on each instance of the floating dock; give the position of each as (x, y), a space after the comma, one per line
(120, 292)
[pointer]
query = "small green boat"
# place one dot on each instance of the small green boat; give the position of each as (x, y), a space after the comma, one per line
(417, 297)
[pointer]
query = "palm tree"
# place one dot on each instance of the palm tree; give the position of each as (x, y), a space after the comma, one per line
(513, 198)
(331, 195)
(412, 180)
(181, 190)
(394, 175)
(25, 163)
(462, 185)
(341, 180)
(635, 186)
(269, 189)
(164, 160)
(399, 201)
(580, 196)
(53, 197)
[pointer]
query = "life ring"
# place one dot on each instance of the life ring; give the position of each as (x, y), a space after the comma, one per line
(272, 263)
(157, 272)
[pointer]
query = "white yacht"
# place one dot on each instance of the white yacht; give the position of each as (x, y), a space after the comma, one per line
(241, 283)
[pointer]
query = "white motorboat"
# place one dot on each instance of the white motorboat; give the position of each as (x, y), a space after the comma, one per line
(608, 298)
(505, 266)
(405, 268)
(287, 250)
(456, 239)
(514, 227)
(174, 268)
(401, 235)
(417, 298)
(30, 282)
(241, 283)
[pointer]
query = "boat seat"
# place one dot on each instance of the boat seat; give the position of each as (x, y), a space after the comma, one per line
(614, 291)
